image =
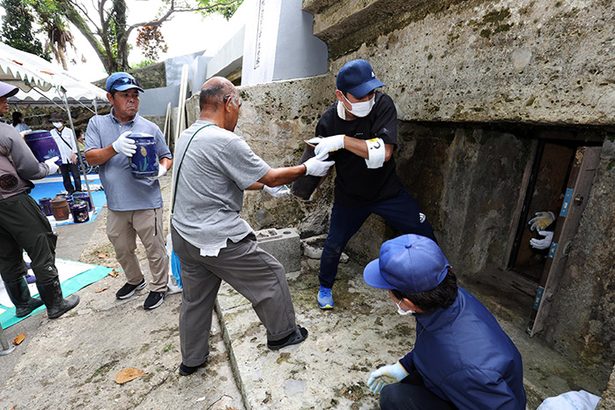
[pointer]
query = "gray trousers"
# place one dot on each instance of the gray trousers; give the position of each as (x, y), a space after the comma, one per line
(251, 271)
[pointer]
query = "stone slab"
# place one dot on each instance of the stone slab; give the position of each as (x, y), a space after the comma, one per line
(330, 369)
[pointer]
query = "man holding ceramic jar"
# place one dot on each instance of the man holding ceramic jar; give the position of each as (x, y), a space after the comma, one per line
(132, 155)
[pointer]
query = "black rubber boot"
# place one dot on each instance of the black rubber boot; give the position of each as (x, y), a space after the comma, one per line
(20, 296)
(51, 293)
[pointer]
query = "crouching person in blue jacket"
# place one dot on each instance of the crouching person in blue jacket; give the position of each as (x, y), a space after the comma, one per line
(461, 358)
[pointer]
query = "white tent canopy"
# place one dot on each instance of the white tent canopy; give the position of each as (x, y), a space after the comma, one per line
(28, 71)
(33, 74)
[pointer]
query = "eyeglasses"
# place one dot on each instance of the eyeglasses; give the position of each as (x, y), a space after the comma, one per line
(228, 97)
(123, 81)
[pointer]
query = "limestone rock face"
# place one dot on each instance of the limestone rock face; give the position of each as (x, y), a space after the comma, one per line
(275, 120)
(608, 398)
(506, 60)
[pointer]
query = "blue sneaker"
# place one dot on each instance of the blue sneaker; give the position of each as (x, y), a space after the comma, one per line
(325, 298)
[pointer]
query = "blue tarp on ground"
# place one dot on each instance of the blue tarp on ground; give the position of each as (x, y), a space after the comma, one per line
(88, 275)
(52, 185)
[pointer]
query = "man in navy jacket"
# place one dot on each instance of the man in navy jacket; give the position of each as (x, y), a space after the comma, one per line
(461, 358)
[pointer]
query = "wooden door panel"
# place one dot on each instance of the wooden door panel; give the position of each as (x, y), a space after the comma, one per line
(575, 199)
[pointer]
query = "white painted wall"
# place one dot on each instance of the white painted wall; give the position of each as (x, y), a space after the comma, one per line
(279, 43)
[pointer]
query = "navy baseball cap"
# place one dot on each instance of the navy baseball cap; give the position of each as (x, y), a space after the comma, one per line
(7, 90)
(121, 81)
(357, 78)
(409, 264)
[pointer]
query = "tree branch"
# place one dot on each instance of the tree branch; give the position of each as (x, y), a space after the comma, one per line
(86, 14)
(172, 9)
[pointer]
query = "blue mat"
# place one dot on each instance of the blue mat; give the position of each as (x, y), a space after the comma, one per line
(69, 286)
(49, 186)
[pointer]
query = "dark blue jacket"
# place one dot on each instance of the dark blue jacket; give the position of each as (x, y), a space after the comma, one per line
(465, 357)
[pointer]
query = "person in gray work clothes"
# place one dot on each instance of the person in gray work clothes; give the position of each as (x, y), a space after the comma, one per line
(135, 205)
(24, 227)
(213, 168)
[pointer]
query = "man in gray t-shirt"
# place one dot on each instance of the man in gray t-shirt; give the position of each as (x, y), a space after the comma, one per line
(134, 204)
(212, 241)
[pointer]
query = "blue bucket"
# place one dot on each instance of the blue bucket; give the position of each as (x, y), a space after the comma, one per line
(144, 162)
(42, 145)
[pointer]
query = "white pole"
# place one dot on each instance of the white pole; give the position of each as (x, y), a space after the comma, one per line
(179, 127)
(167, 125)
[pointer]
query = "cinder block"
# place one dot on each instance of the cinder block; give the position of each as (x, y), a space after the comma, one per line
(283, 244)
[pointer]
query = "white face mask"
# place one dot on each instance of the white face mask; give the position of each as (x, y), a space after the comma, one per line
(57, 124)
(403, 312)
(361, 109)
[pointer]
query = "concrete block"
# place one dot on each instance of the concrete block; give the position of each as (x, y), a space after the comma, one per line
(283, 244)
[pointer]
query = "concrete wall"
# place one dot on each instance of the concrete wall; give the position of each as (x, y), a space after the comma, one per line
(608, 398)
(279, 43)
(519, 60)
(154, 100)
(152, 76)
(228, 58)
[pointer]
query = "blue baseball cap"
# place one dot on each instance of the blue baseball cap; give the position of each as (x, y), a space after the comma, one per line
(357, 78)
(409, 264)
(121, 81)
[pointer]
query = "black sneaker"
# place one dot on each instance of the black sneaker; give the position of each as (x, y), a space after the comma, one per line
(128, 290)
(188, 370)
(297, 337)
(153, 300)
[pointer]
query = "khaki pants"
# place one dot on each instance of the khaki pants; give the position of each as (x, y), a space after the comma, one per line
(122, 230)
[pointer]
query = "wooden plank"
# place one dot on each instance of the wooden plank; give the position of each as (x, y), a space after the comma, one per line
(576, 197)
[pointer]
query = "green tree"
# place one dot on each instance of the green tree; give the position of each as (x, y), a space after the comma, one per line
(17, 29)
(103, 24)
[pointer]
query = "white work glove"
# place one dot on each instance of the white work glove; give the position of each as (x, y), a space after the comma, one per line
(162, 171)
(51, 163)
(277, 191)
(326, 145)
(543, 243)
(541, 220)
(125, 145)
(392, 373)
(317, 167)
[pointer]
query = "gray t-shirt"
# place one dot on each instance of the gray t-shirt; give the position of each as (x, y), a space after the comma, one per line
(125, 192)
(217, 168)
(17, 164)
